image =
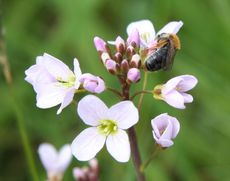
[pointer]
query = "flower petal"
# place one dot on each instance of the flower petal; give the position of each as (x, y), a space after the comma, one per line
(49, 95)
(64, 158)
(118, 146)
(171, 84)
(124, 113)
(48, 155)
(91, 110)
(145, 29)
(77, 72)
(87, 144)
(56, 67)
(172, 27)
(188, 82)
(174, 99)
(176, 126)
(187, 97)
(66, 100)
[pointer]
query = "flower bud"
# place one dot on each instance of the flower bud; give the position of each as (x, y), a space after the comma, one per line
(118, 57)
(130, 52)
(133, 75)
(100, 44)
(134, 39)
(92, 83)
(135, 61)
(111, 66)
(124, 65)
(120, 44)
(165, 128)
(104, 57)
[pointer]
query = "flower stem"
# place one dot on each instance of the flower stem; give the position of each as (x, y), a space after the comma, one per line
(114, 91)
(146, 163)
(18, 112)
(140, 92)
(143, 88)
(132, 134)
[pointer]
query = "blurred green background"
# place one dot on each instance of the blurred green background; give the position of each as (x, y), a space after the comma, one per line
(65, 29)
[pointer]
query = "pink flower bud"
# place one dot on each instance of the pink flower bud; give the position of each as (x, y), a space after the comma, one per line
(111, 66)
(124, 65)
(134, 75)
(165, 128)
(92, 83)
(120, 44)
(134, 38)
(100, 44)
(135, 61)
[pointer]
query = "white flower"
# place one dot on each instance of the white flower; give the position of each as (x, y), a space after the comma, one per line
(108, 125)
(174, 91)
(53, 161)
(165, 128)
(53, 81)
(147, 31)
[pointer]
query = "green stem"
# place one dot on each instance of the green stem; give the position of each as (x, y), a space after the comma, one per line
(143, 88)
(18, 112)
(140, 92)
(147, 162)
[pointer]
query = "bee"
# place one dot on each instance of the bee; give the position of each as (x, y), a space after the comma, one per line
(161, 56)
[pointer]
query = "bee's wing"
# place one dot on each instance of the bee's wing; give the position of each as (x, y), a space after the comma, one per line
(170, 56)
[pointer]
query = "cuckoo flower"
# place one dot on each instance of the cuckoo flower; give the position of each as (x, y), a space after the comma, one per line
(107, 127)
(92, 83)
(174, 91)
(53, 81)
(165, 128)
(147, 31)
(53, 161)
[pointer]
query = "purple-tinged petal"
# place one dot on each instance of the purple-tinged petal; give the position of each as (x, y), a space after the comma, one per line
(118, 146)
(77, 72)
(124, 113)
(188, 82)
(134, 38)
(174, 99)
(134, 75)
(171, 85)
(48, 155)
(87, 144)
(187, 97)
(111, 65)
(49, 95)
(172, 27)
(165, 143)
(56, 67)
(100, 44)
(64, 158)
(176, 126)
(68, 98)
(91, 110)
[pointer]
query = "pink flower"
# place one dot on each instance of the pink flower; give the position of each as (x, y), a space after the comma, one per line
(174, 91)
(55, 162)
(134, 75)
(100, 44)
(165, 128)
(92, 83)
(107, 127)
(134, 38)
(53, 81)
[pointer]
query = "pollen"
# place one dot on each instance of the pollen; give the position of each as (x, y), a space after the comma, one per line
(107, 127)
(67, 83)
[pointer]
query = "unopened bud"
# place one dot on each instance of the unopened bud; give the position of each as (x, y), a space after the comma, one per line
(104, 57)
(120, 44)
(111, 66)
(134, 39)
(100, 44)
(124, 65)
(135, 61)
(118, 57)
(133, 75)
(130, 52)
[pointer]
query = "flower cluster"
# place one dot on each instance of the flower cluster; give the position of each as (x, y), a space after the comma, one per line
(143, 51)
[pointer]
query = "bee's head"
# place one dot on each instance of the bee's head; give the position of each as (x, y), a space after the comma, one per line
(165, 37)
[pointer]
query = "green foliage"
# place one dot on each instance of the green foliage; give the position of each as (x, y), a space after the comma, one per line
(66, 29)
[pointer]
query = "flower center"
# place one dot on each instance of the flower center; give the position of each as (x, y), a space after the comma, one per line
(145, 36)
(69, 83)
(107, 127)
(157, 92)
